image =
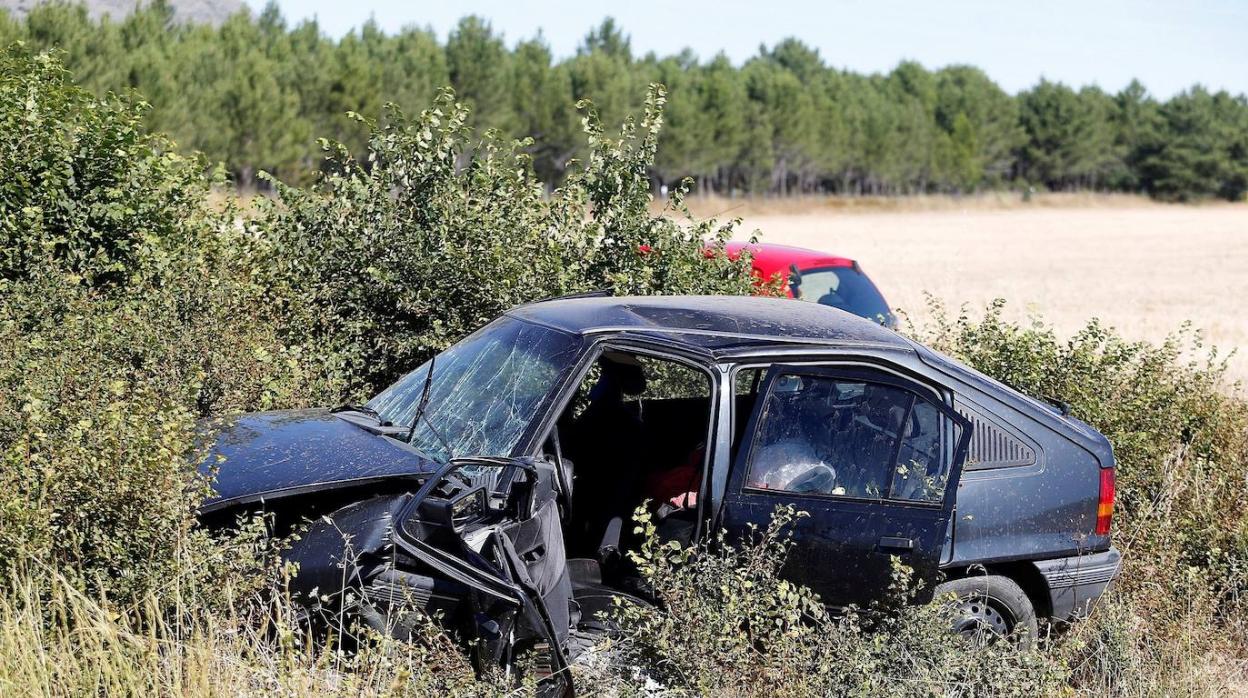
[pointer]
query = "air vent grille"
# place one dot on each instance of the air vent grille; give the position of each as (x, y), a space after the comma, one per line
(993, 447)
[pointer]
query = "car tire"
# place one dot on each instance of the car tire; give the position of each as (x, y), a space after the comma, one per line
(988, 607)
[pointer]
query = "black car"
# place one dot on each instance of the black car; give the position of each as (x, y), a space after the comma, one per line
(493, 484)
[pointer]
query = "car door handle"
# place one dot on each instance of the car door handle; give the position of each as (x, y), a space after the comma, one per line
(896, 543)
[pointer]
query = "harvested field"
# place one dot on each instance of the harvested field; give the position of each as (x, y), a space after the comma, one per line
(1143, 268)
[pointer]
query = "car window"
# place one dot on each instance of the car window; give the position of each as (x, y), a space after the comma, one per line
(921, 470)
(846, 288)
(485, 391)
(747, 381)
(670, 380)
(849, 438)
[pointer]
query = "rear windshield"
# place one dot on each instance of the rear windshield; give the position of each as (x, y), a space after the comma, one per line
(845, 288)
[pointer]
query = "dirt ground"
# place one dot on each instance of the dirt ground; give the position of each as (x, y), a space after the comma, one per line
(1143, 268)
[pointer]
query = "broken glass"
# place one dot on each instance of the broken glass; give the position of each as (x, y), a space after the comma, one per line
(486, 390)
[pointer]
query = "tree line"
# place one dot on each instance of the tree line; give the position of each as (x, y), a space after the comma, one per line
(253, 92)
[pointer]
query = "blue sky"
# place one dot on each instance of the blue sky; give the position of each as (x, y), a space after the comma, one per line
(1168, 45)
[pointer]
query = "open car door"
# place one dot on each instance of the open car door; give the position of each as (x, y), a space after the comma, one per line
(503, 542)
(874, 459)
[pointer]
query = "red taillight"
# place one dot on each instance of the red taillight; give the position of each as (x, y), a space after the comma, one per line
(1105, 505)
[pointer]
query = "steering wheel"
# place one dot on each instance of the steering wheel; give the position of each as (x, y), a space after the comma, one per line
(816, 478)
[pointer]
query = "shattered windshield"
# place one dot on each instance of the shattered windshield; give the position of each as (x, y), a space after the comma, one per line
(486, 389)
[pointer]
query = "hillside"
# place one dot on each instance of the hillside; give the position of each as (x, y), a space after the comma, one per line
(196, 11)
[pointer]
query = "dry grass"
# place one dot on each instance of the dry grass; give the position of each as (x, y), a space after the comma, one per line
(1143, 268)
(58, 643)
(719, 206)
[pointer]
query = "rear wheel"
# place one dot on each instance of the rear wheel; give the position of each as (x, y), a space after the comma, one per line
(987, 608)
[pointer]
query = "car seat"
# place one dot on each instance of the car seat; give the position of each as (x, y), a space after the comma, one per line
(608, 446)
(872, 441)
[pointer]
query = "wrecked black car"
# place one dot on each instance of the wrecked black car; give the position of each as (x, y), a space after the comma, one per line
(493, 486)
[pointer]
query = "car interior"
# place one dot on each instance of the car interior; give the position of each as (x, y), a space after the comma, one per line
(634, 432)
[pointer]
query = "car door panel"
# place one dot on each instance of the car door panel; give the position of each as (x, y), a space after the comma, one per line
(843, 546)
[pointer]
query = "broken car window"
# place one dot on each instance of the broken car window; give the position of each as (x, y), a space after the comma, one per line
(486, 389)
(848, 438)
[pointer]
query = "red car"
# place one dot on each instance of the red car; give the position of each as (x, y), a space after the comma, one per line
(811, 275)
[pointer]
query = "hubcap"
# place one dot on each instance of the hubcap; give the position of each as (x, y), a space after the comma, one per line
(979, 620)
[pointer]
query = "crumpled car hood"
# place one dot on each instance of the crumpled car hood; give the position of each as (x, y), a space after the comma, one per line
(269, 455)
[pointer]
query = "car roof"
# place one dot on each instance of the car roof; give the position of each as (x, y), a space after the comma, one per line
(770, 258)
(712, 322)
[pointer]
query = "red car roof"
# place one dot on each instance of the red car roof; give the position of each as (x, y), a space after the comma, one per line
(771, 258)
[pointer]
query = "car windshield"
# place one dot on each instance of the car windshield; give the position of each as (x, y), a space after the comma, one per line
(845, 288)
(486, 389)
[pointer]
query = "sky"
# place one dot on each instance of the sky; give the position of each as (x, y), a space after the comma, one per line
(1167, 44)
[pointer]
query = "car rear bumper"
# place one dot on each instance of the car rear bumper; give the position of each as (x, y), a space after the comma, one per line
(1075, 583)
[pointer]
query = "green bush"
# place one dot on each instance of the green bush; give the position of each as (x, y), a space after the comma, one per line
(82, 185)
(128, 309)
(729, 624)
(434, 232)
(99, 397)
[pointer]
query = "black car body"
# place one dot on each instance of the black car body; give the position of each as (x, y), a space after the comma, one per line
(502, 506)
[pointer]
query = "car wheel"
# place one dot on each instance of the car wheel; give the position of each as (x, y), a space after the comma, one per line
(987, 608)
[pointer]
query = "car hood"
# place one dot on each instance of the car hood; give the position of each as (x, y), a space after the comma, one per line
(269, 455)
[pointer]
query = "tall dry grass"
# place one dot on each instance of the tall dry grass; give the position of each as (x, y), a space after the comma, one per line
(57, 642)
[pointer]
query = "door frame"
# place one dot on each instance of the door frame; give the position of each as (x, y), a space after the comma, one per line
(955, 445)
(943, 397)
(658, 349)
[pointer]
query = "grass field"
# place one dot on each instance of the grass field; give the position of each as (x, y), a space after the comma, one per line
(1143, 268)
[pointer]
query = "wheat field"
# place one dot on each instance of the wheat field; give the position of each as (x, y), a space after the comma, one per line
(1140, 267)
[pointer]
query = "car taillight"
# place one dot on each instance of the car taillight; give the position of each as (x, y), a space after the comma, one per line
(1105, 504)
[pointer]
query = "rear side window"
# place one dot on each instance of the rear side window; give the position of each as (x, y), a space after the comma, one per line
(842, 287)
(849, 438)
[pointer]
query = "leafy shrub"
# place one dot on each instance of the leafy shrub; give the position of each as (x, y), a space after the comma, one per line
(729, 624)
(128, 309)
(98, 404)
(81, 183)
(433, 233)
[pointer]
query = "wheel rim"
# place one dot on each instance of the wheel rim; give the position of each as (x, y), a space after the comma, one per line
(978, 619)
